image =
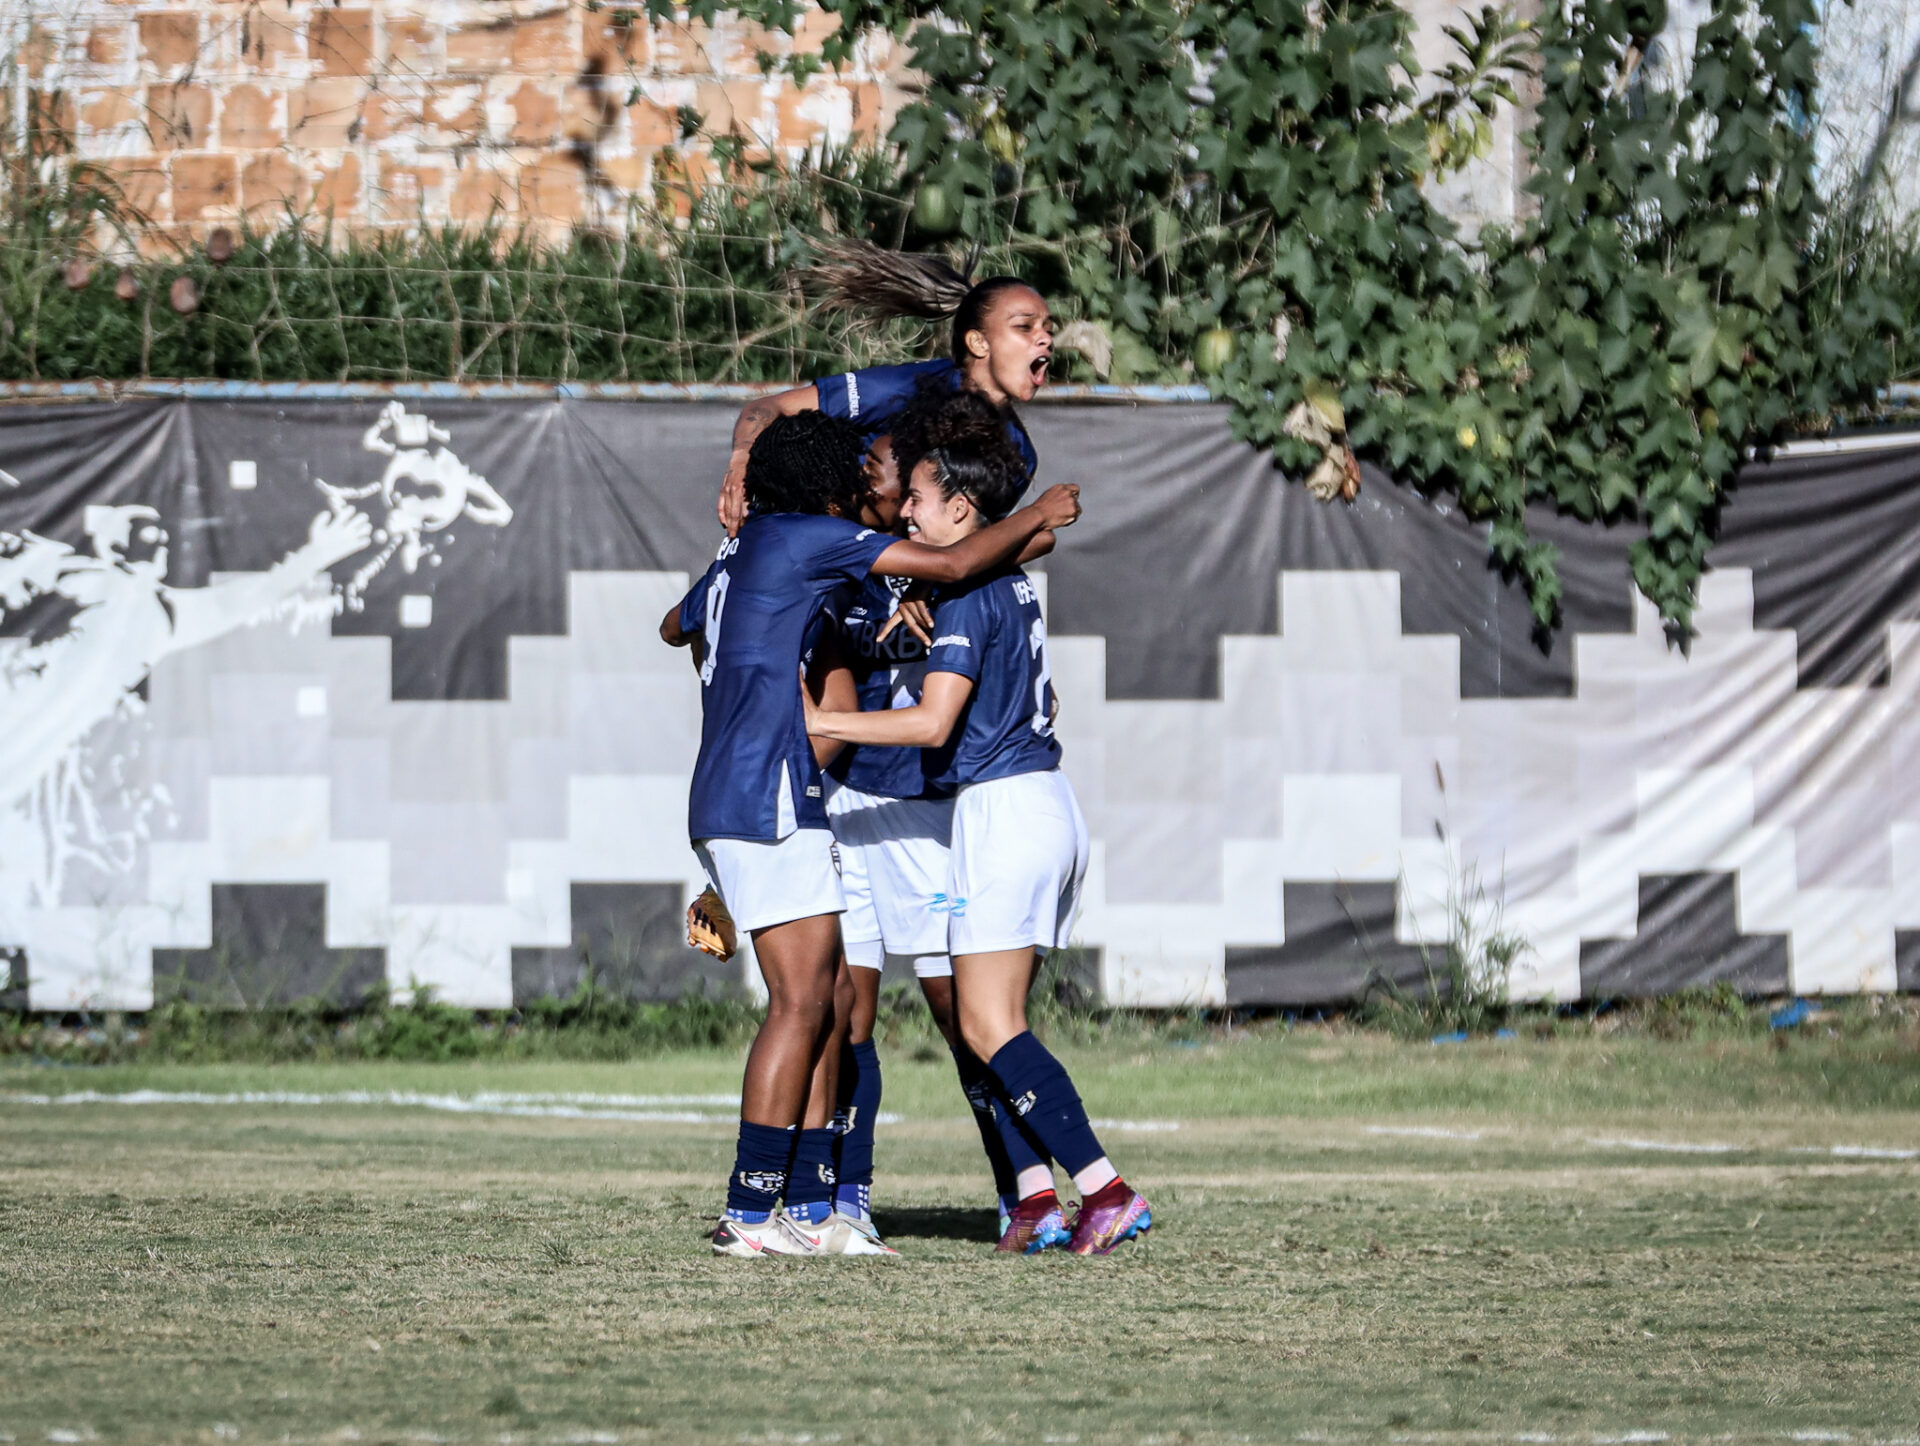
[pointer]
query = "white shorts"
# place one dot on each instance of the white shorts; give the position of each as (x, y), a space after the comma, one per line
(1019, 854)
(894, 869)
(763, 884)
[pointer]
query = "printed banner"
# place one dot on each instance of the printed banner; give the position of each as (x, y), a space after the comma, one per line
(297, 697)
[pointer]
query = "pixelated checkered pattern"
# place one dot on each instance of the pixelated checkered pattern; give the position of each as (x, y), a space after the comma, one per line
(451, 834)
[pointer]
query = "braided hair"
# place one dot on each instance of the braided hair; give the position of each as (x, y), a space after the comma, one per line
(965, 437)
(805, 462)
(862, 277)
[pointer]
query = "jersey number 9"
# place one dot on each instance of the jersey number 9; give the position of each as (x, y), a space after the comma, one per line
(716, 608)
(1042, 722)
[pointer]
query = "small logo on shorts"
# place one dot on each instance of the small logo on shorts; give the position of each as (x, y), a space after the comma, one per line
(949, 904)
(813, 791)
(1025, 1103)
(834, 850)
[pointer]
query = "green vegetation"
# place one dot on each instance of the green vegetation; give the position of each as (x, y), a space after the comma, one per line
(1358, 1239)
(1214, 189)
(660, 299)
(1248, 185)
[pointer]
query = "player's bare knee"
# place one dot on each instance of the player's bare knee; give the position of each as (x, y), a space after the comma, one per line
(983, 1035)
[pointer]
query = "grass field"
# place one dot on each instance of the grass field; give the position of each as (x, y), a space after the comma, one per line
(1584, 1240)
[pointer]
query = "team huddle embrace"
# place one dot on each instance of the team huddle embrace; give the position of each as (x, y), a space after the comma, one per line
(878, 772)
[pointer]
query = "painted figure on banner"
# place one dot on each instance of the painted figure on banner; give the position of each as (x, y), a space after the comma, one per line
(82, 628)
(422, 492)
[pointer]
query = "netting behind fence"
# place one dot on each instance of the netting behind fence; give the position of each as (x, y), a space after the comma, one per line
(694, 287)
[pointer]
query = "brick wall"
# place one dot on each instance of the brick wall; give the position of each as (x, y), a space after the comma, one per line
(388, 112)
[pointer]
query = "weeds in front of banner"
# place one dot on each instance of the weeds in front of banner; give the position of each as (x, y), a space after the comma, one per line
(1465, 990)
(592, 1023)
(1467, 979)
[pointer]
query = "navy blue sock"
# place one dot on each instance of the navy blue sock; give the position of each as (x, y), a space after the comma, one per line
(1045, 1100)
(760, 1164)
(810, 1187)
(1023, 1148)
(860, 1087)
(994, 1125)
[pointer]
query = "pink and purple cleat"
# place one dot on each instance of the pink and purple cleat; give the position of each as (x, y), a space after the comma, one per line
(1102, 1224)
(1034, 1225)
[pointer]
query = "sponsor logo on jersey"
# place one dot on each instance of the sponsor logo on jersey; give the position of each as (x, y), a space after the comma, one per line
(949, 904)
(953, 640)
(899, 646)
(853, 395)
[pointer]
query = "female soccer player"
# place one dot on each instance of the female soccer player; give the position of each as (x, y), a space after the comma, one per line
(1019, 841)
(756, 815)
(892, 826)
(1001, 345)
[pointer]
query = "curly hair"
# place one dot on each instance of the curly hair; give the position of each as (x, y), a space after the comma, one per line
(859, 276)
(965, 437)
(805, 462)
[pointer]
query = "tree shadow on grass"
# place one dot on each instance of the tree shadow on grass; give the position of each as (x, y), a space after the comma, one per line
(937, 1222)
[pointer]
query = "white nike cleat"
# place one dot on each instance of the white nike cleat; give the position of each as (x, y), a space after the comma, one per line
(850, 1235)
(801, 1238)
(776, 1235)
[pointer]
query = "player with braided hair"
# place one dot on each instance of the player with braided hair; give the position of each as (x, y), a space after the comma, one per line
(756, 814)
(1000, 346)
(1019, 842)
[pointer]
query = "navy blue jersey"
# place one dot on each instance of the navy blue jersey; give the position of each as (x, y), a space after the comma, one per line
(758, 608)
(873, 396)
(990, 630)
(886, 674)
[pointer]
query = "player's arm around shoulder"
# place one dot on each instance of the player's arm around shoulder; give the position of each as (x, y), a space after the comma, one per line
(754, 419)
(990, 547)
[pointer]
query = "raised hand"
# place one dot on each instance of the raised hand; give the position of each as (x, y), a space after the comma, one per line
(1059, 505)
(337, 534)
(732, 506)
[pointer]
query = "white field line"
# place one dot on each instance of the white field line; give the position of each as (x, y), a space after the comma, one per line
(723, 1108)
(644, 1109)
(1857, 1152)
(1672, 1147)
(399, 1099)
(1423, 1132)
(637, 1109)
(1675, 1147)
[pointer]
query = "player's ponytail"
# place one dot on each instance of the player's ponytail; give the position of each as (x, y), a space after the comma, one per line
(876, 282)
